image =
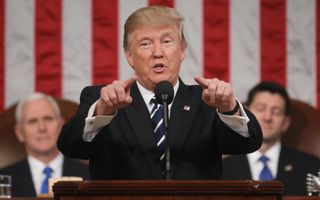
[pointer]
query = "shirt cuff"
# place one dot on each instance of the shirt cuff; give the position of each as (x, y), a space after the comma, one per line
(93, 124)
(237, 123)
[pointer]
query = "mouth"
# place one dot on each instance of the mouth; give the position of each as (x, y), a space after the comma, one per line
(266, 127)
(158, 68)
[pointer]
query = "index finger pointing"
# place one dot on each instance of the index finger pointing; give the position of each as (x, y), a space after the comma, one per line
(201, 81)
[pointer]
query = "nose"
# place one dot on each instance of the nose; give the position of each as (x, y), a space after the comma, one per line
(267, 115)
(42, 126)
(157, 51)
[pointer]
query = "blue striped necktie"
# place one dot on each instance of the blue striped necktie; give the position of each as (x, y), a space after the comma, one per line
(265, 174)
(47, 171)
(158, 130)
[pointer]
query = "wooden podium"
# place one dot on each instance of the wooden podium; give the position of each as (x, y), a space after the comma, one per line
(165, 190)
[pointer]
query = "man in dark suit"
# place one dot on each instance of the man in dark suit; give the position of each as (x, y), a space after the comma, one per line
(113, 129)
(38, 124)
(270, 103)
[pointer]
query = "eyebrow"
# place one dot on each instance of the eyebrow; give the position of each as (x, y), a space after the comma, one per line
(168, 33)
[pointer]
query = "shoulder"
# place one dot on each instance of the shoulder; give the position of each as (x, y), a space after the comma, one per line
(90, 93)
(15, 167)
(299, 155)
(92, 90)
(193, 91)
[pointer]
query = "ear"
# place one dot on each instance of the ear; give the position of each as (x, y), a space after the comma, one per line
(129, 58)
(286, 123)
(183, 53)
(61, 121)
(19, 133)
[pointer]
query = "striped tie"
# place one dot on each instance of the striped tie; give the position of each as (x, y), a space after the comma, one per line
(158, 129)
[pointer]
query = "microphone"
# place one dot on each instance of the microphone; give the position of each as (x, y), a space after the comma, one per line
(164, 95)
(164, 92)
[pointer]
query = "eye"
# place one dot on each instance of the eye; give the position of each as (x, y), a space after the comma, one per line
(278, 111)
(259, 108)
(167, 41)
(49, 119)
(32, 121)
(145, 44)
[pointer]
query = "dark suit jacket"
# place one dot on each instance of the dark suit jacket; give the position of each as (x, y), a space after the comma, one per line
(292, 169)
(126, 148)
(22, 184)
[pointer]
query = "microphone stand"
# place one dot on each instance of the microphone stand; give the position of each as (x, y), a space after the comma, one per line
(166, 129)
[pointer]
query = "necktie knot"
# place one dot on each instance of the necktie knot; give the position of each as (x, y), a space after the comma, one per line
(264, 159)
(47, 171)
(153, 101)
(155, 104)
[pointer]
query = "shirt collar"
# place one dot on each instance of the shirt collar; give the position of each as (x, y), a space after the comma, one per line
(55, 164)
(272, 153)
(148, 94)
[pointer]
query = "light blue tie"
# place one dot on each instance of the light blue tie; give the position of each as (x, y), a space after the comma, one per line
(159, 131)
(47, 171)
(265, 174)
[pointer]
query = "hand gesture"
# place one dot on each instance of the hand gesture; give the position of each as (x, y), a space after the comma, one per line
(114, 96)
(217, 93)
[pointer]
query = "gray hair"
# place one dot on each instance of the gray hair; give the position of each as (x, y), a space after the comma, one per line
(36, 96)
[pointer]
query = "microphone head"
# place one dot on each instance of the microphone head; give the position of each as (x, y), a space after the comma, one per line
(164, 92)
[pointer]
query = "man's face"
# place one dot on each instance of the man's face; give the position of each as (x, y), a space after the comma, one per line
(155, 54)
(39, 127)
(269, 110)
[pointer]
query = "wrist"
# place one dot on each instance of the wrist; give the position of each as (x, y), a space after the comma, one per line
(234, 111)
(102, 109)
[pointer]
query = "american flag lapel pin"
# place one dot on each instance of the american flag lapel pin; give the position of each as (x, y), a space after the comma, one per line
(186, 108)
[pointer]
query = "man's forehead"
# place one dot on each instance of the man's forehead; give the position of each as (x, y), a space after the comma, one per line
(262, 99)
(38, 106)
(263, 94)
(140, 31)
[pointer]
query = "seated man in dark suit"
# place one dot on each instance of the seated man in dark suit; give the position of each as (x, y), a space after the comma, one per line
(270, 103)
(119, 126)
(38, 124)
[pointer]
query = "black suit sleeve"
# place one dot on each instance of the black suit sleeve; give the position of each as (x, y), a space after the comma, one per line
(231, 142)
(70, 141)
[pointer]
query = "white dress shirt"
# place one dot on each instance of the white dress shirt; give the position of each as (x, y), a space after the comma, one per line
(36, 167)
(93, 124)
(256, 166)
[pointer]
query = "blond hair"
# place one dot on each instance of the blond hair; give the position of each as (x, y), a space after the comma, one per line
(153, 16)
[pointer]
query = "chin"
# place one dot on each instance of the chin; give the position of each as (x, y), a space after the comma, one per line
(166, 79)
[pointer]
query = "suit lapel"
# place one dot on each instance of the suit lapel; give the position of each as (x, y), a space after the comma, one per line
(182, 113)
(285, 166)
(25, 182)
(139, 118)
